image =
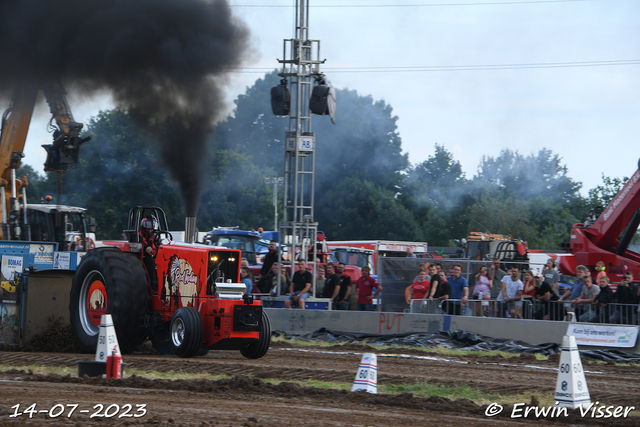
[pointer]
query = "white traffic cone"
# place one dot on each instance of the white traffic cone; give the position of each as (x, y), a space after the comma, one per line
(107, 339)
(571, 386)
(367, 376)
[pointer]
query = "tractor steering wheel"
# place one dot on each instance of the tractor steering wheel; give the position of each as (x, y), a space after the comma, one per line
(157, 241)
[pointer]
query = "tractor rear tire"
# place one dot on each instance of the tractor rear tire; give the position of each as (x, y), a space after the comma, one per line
(259, 348)
(109, 281)
(186, 332)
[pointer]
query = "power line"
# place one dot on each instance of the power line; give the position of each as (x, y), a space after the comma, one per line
(493, 3)
(448, 68)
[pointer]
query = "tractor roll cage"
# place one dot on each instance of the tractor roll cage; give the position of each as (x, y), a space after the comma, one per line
(136, 214)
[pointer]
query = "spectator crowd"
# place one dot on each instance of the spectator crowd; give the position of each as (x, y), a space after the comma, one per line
(499, 290)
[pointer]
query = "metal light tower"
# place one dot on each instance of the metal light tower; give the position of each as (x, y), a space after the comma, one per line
(301, 65)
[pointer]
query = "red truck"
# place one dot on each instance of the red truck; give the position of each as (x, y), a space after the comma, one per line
(385, 248)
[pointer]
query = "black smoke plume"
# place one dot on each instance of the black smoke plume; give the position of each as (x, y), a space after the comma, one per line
(165, 61)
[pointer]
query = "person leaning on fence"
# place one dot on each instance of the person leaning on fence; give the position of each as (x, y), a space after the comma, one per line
(586, 299)
(459, 291)
(436, 279)
(549, 309)
(551, 275)
(576, 289)
(320, 280)
(440, 290)
(407, 290)
(419, 289)
(528, 291)
(604, 300)
(482, 289)
(511, 293)
(345, 288)
(332, 284)
(364, 290)
(431, 272)
(496, 275)
(626, 299)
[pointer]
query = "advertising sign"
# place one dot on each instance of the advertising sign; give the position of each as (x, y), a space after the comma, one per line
(603, 335)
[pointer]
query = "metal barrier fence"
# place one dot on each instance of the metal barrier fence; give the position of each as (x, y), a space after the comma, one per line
(396, 274)
(622, 314)
(485, 308)
(614, 313)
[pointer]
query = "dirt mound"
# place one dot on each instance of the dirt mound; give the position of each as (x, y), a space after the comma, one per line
(57, 338)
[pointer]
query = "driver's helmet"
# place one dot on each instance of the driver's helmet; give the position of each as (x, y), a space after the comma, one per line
(148, 225)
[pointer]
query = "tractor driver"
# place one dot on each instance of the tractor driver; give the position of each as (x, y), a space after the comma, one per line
(148, 232)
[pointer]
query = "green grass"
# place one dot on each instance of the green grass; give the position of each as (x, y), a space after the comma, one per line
(462, 391)
(425, 390)
(42, 370)
(417, 389)
(304, 343)
(431, 350)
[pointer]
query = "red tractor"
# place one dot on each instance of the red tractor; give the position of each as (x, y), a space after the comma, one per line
(184, 297)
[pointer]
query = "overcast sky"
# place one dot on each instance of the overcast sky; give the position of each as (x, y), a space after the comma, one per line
(474, 76)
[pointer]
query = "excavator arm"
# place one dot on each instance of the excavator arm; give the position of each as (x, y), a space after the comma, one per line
(13, 134)
(15, 125)
(608, 237)
(66, 138)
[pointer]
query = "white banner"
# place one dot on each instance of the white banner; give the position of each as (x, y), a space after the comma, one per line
(11, 265)
(61, 260)
(603, 335)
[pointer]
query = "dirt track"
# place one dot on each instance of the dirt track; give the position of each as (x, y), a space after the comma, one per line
(245, 400)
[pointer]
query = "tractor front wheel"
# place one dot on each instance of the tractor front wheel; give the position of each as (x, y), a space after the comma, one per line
(186, 332)
(259, 348)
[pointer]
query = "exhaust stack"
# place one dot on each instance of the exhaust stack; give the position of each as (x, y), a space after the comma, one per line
(190, 229)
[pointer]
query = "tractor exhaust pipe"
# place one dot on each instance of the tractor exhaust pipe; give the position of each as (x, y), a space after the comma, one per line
(190, 229)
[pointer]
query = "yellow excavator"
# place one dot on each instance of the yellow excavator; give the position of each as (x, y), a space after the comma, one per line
(46, 223)
(41, 245)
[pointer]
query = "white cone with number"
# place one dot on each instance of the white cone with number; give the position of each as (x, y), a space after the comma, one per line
(107, 339)
(367, 376)
(571, 386)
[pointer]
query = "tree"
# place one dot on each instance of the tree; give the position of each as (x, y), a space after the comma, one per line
(358, 209)
(39, 185)
(364, 143)
(500, 214)
(117, 170)
(603, 194)
(252, 129)
(526, 177)
(235, 193)
(529, 197)
(436, 191)
(120, 169)
(434, 180)
(363, 147)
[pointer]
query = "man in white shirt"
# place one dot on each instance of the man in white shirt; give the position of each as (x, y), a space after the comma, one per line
(511, 294)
